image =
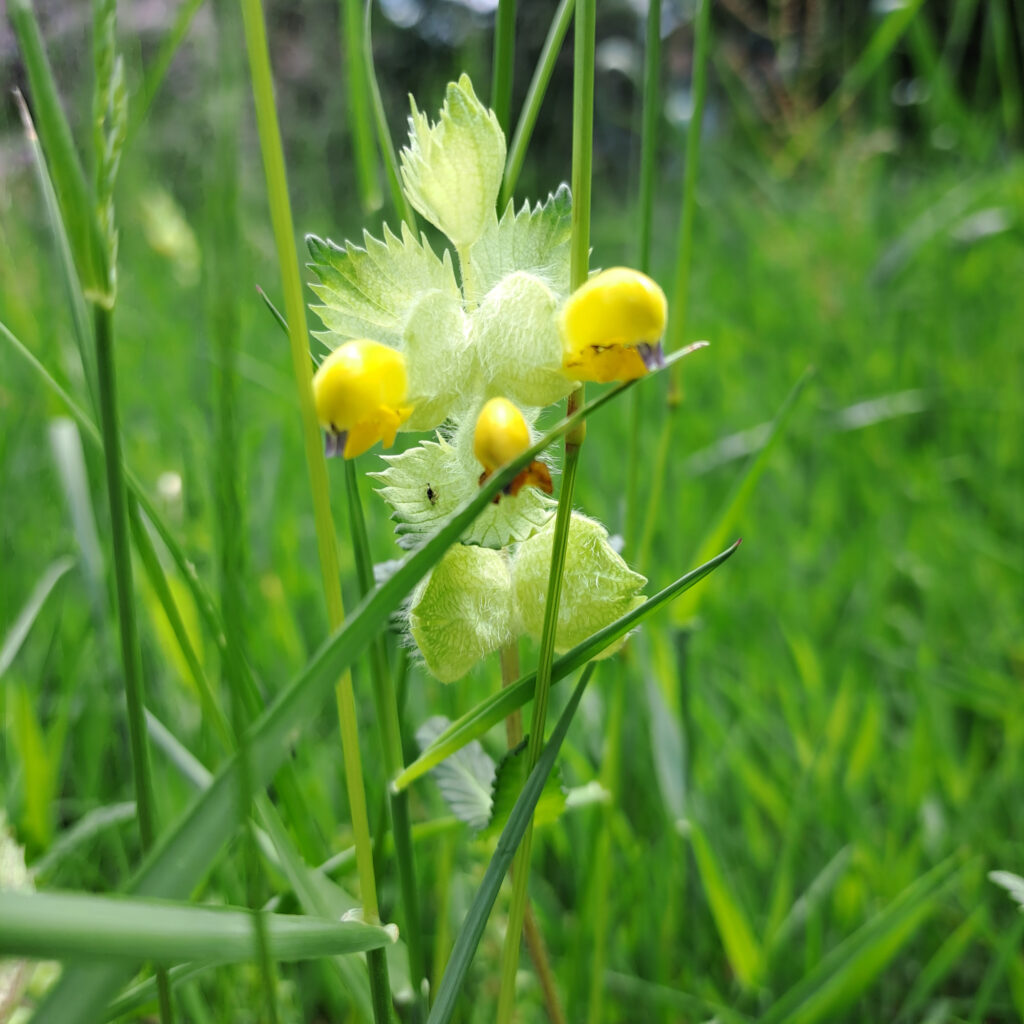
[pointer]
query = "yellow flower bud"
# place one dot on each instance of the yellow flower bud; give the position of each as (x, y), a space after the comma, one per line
(501, 434)
(359, 391)
(612, 326)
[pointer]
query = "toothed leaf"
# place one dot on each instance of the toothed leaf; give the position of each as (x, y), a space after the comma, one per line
(508, 784)
(464, 779)
(533, 240)
(452, 170)
(370, 292)
(426, 484)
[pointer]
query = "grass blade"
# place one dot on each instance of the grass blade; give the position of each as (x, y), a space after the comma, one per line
(60, 926)
(21, 626)
(735, 504)
(76, 204)
(845, 973)
(520, 818)
(744, 952)
(488, 713)
(534, 98)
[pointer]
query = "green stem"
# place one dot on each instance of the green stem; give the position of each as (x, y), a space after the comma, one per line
(384, 141)
(648, 162)
(534, 99)
(295, 312)
(360, 107)
(103, 324)
(684, 257)
(598, 896)
(386, 707)
(504, 62)
(582, 160)
(225, 332)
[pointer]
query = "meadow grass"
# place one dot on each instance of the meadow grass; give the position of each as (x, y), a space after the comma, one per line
(814, 767)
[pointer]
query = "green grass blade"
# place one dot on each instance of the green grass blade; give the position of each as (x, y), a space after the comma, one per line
(98, 820)
(360, 105)
(69, 276)
(725, 521)
(503, 62)
(520, 818)
(734, 929)
(534, 98)
(384, 140)
(20, 628)
(488, 713)
(845, 973)
(162, 63)
(62, 926)
(76, 203)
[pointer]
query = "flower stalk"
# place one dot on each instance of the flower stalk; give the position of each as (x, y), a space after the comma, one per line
(582, 157)
(295, 314)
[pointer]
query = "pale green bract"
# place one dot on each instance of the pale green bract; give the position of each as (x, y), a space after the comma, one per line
(597, 585)
(426, 484)
(490, 331)
(462, 611)
(452, 170)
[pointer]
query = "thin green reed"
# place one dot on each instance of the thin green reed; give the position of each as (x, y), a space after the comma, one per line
(295, 313)
(360, 106)
(679, 297)
(223, 318)
(503, 64)
(582, 159)
(648, 168)
(386, 707)
(534, 98)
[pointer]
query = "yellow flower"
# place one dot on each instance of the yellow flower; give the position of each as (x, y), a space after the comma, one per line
(501, 435)
(359, 392)
(612, 326)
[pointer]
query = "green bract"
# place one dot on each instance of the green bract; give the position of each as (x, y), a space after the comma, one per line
(488, 329)
(452, 170)
(597, 585)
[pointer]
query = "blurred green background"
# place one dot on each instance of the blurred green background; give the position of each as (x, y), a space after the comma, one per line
(846, 711)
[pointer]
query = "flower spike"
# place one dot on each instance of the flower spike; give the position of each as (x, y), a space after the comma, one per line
(612, 326)
(501, 434)
(359, 392)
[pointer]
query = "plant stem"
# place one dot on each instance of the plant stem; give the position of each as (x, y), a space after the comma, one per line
(295, 312)
(684, 257)
(648, 162)
(598, 896)
(131, 661)
(534, 99)
(386, 707)
(531, 929)
(225, 332)
(582, 160)
(504, 62)
(360, 107)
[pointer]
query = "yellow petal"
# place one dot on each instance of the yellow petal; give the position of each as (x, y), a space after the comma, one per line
(605, 318)
(356, 380)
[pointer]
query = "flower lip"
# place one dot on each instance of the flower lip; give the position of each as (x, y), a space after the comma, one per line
(612, 325)
(359, 392)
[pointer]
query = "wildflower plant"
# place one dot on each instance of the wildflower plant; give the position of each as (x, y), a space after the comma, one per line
(473, 344)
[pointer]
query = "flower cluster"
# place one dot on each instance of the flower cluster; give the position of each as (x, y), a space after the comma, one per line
(476, 356)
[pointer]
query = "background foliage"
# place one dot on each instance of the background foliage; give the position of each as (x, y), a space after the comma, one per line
(846, 712)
